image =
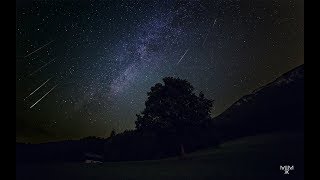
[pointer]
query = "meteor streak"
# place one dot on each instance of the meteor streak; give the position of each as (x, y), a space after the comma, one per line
(205, 39)
(38, 49)
(183, 56)
(43, 96)
(38, 88)
(42, 66)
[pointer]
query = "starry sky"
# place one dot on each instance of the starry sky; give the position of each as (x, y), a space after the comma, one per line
(84, 67)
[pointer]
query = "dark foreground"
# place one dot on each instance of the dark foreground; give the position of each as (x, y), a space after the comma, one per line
(257, 157)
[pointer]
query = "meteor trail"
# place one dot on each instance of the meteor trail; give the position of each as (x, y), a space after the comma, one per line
(38, 49)
(38, 88)
(183, 56)
(42, 66)
(43, 96)
(205, 39)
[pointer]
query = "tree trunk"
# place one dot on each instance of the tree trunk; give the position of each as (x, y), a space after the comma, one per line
(182, 154)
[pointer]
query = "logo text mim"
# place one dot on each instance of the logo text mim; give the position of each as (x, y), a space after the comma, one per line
(286, 169)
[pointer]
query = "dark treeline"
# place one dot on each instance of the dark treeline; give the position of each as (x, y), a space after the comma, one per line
(278, 106)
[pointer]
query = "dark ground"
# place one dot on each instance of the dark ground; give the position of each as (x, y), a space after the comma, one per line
(256, 157)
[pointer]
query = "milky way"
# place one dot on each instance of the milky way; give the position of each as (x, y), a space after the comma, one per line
(105, 55)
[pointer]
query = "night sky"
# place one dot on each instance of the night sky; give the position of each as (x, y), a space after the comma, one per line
(84, 67)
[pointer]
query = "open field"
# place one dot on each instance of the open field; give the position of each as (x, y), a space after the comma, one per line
(256, 157)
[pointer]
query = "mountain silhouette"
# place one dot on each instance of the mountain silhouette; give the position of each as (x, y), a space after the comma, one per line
(277, 106)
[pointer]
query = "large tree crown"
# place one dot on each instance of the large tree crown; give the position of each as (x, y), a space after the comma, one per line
(173, 105)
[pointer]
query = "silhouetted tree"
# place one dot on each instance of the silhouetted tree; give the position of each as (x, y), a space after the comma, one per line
(173, 108)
